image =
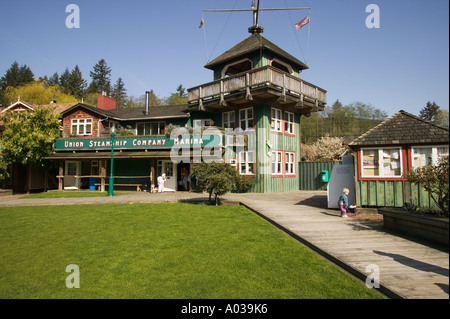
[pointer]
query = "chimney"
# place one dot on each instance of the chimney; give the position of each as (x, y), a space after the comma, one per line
(106, 103)
(147, 102)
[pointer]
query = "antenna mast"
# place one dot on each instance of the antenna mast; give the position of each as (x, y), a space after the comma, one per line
(255, 9)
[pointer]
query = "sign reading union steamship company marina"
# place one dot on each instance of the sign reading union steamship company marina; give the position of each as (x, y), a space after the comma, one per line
(71, 144)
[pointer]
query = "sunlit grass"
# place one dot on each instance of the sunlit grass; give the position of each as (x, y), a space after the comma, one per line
(163, 250)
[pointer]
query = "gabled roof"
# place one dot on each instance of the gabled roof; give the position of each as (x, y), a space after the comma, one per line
(403, 128)
(27, 105)
(136, 113)
(255, 42)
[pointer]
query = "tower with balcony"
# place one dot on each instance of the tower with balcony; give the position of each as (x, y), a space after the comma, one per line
(260, 97)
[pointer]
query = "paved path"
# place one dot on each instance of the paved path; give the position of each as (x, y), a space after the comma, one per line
(407, 269)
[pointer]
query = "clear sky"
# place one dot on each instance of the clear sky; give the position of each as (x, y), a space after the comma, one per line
(158, 44)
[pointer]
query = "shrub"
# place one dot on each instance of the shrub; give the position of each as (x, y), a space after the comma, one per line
(435, 180)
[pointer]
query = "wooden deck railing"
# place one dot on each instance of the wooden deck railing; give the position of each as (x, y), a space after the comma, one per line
(265, 76)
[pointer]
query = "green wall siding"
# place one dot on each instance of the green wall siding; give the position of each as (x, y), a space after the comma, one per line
(257, 141)
(391, 194)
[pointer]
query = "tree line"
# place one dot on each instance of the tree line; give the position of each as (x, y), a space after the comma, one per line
(356, 118)
(70, 86)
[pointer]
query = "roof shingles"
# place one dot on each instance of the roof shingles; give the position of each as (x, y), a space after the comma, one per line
(403, 128)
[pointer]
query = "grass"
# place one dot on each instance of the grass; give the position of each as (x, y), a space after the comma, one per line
(164, 250)
(70, 194)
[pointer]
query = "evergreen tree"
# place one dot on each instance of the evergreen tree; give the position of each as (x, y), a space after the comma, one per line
(53, 80)
(178, 98)
(430, 112)
(15, 76)
(119, 93)
(76, 83)
(101, 78)
(64, 80)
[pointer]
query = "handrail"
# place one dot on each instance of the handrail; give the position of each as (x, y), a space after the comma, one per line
(267, 75)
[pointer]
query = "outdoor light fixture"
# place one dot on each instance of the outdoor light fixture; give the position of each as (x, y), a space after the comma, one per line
(111, 176)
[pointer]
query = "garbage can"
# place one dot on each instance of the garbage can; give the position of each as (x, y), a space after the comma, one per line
(324, 176)
(92, 181)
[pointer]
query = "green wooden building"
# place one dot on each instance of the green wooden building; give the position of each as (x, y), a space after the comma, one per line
(259, 96)
(384, 153)
(249, 115)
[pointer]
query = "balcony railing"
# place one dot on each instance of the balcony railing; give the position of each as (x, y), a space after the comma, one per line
(257, 78)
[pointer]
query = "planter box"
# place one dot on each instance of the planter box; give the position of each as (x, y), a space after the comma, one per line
(425, 227)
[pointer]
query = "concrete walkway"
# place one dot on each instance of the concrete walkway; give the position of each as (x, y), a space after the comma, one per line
(407, 268)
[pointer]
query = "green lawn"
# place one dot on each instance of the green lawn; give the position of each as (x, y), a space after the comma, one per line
(160, 251)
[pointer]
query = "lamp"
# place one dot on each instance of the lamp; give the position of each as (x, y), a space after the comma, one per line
(111, 176)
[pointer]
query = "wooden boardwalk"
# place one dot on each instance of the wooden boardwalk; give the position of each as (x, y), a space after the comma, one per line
(407, 269)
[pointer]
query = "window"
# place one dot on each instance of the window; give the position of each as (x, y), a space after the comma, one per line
(289, 160)
(424, 155)
(247, 163)
(203, 122)
(228, 120)
(81, 127)
(381, 162)
(277, 164)
(94, 168)
(246, 119)
(289, 123)
(275, 121)
(151, 128)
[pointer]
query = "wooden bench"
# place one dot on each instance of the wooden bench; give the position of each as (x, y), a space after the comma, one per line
(138, 186)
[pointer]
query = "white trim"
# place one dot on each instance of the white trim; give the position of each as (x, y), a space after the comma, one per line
(246, 119)
(84, 126)
(434, 153)
(289, 122)
(278, 163)
(293, 173)
(381, 162)
(287, 66)
(276, 118)
(16, 103)
(226, 67)
(246, 162)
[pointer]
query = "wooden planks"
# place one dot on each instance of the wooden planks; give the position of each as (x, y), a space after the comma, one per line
(408, 269)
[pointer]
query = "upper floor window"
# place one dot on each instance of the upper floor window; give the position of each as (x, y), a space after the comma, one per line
(228, 120)
(246, 119)
(275, 120)
(81, 126)
(203, 122)
(289, 123)
(423, 155)
(151, 128)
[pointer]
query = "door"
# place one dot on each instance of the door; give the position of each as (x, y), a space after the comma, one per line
(170, 169)
(72, 170)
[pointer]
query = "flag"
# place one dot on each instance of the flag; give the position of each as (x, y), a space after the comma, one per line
(301, 23)
(201, 23)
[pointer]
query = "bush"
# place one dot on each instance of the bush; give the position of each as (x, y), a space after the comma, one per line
(217, 178)
(243, 183)
(435, 180)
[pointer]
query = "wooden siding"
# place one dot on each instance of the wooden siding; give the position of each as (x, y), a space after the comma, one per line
(310, 177)
(391, 194)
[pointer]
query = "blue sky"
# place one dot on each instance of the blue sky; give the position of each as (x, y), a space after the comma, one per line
(157, 44)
